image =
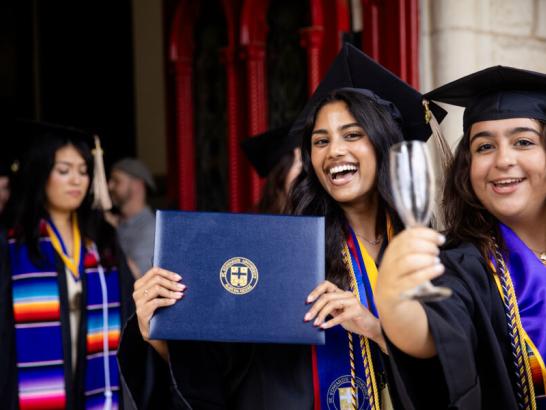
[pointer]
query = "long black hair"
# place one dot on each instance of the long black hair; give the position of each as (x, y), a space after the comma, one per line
(308, 197)
(31, 198)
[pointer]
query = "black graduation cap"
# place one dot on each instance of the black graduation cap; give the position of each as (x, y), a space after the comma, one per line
(29, 132)
(354, 69)
(496, 93)
(265, 150)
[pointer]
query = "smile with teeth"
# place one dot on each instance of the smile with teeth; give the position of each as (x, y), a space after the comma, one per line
(342, 170)
(506, 182)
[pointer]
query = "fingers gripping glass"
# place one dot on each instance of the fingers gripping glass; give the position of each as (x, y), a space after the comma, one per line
(413, 188)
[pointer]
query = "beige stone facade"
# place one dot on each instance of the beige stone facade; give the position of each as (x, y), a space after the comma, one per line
(463, 36)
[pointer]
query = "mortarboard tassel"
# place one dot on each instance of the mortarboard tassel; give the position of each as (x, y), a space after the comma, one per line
(101, 197)
(443, 156)
(438, 137)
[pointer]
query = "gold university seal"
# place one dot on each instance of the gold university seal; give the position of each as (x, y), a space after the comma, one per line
(239, 275)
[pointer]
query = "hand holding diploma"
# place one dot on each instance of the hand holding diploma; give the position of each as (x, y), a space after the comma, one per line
(157, 288)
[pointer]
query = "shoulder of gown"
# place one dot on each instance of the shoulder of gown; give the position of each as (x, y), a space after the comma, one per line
(469, 330)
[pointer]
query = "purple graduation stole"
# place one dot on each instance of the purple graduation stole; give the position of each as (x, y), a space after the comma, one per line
(41, 368)
(346, 374)
(528, 276)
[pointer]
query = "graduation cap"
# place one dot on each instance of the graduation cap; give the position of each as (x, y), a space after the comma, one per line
(354, 69)
(496, 93)
(265, 150)
(29, 133)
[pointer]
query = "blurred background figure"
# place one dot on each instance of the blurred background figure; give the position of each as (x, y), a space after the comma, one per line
(8, 172)
(4, 186)
(276, 156)
(129, 185)
(5, 190)
(64, 284)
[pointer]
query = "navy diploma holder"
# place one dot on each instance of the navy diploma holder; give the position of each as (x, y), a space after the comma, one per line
(248, 276)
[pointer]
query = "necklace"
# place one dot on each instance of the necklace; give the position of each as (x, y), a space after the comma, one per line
(376, 241)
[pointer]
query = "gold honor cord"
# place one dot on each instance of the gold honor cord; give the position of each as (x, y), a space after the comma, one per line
(371, 385)
(72, 264)
(518, 334)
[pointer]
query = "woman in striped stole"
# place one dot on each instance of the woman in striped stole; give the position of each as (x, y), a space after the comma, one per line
(484, 347)
(65, 288)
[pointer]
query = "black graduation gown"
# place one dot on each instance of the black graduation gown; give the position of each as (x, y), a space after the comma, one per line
(8, 369)
(473, 368)
(207, 375)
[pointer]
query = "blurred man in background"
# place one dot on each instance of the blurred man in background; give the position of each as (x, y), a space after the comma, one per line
(129, 184)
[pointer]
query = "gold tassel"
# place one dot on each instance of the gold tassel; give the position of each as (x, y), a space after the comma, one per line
(443, 156)
(101, 197)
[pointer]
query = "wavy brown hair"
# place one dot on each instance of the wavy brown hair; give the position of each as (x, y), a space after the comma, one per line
(308, 197)
(467, 220)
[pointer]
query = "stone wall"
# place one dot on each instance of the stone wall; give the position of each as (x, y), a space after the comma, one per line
(463, 36)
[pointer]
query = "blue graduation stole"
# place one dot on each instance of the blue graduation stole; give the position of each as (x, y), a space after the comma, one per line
(346, 372)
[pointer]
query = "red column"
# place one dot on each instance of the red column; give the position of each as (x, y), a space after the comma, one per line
(181, 56)
(236, 199)
(254, 55)
(413, 35)
(371, 28)
(311, 40)
(185, 133)
(337, 22)
(391, 36)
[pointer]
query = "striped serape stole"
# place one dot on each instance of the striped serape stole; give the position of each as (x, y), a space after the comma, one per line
(38, 333)
(103, 332)
(42, 370)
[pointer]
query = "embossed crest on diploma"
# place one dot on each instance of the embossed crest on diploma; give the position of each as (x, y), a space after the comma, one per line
(239, 275)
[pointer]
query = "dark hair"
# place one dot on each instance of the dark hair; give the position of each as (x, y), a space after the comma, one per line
(7, 212)
(273, 200)
(467, 220)
(308, 197)
(31, 199)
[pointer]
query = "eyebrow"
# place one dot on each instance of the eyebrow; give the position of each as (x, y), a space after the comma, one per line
(70, 163)
(510, 132)
(343, 127)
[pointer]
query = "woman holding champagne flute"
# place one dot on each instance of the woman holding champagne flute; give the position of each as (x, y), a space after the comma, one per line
(484, 347)
(347, 129)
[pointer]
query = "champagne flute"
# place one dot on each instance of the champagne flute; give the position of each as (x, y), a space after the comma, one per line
(413, 188)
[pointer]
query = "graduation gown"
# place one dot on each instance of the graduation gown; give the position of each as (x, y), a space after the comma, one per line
(8, 368)
(209, 375)
(473, 368)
